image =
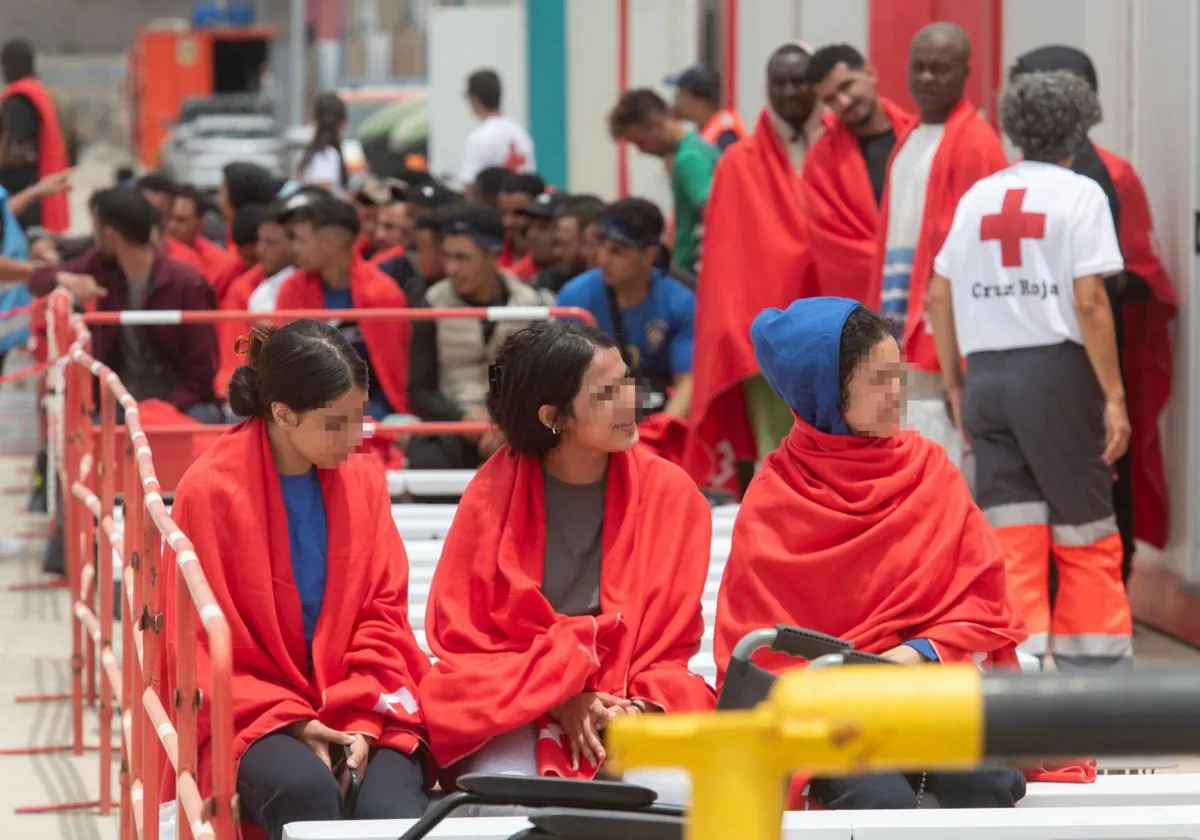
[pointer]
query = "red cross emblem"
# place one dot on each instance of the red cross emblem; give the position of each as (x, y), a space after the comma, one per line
(1010, 226)
(515, 160)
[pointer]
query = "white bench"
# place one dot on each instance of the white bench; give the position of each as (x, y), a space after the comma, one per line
(1135, 823)
(1084, 823)
(811, 825)
(1160, 789)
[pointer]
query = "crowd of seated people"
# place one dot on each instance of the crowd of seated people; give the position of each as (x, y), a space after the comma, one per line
(568, 593)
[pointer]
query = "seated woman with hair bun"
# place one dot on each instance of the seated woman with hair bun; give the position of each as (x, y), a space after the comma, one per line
(568, 592)
(296, 537)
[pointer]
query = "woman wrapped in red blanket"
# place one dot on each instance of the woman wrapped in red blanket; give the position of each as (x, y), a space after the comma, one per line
(855, 529)
(296, 537)
(568, 591)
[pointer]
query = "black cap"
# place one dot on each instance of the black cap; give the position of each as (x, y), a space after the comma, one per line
(545, 206)
(433, 194)
(700, 81)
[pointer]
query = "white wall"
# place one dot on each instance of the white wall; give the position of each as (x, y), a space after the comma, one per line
(462, 40)
(764, 25)
(1098, 27)
(663, 39)
(1165, 148)
(591, 90)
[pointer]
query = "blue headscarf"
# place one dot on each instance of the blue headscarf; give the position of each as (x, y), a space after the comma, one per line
(799, 353)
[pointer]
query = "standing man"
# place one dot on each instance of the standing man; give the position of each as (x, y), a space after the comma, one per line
(698, 100)
(31, 140)
(934, 164)
(756, 255)
(498, 140)
(846, 171)
(641, 117)
(1144, 301)
(1019, 291)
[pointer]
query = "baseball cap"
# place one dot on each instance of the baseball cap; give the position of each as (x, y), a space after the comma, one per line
(699, 80)
(433, 194)
(544, 206)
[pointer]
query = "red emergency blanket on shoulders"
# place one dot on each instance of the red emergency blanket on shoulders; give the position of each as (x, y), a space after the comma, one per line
(756, 255)
(842, 211)
(665, 435)
(873, 540)
(1147, 353)
(221, 267)
(387, 341)
(52, 149)
(237, 298)
(970, 150)
(388, 254)
(179, 252)
(366, 664)
(505, 658)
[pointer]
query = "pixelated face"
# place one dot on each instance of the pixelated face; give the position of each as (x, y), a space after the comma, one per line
(274, 248)
(605, 409)
(184, 222)
(326, 435)
(849, 94)
(393, 225)
(874, 394)
(569, 258)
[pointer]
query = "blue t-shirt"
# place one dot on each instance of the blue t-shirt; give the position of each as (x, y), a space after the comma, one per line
(308, 540)
(660, 332)
(377, 404)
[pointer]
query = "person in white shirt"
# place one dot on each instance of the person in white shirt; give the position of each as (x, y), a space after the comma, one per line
(1018, 290)
(322, 164)
(497, 140)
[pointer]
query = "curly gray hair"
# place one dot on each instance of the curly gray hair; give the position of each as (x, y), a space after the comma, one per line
(1047, 114)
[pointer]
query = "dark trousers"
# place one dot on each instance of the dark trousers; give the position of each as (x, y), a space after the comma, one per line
(281, 781)
(997, 788)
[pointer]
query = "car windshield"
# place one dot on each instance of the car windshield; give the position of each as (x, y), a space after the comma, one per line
(357, 113)
(234, 132)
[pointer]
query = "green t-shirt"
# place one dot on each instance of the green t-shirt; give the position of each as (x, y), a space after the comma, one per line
(691, 176)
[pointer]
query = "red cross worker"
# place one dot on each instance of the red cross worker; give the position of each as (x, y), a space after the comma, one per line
(1019, 292)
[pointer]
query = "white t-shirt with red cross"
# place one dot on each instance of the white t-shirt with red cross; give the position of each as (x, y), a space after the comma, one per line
(1020, 239)
(497, 141)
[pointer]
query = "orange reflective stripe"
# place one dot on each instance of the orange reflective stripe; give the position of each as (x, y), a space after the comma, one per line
(721, 122)
(1091, 597)
(1027, 572)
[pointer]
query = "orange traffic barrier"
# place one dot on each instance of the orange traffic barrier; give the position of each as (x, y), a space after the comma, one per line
(93, 463)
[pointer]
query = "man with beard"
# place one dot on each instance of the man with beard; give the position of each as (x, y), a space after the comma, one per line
(934, 164)
(846, 171)
(574, 252)
(756, 255)
(1143, 300)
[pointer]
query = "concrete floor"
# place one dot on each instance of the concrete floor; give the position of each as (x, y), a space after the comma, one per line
(34, 650)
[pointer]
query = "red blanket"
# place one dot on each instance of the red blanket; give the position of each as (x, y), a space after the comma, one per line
(873, 540)
(220, 267)
(1147, 355)
(388, 254)
(366, 664)
(179, 252)
(665, 436)
(970, 150)
(506, 658)
(387, 341)
(756, 255)
(842, 211)
(52, 151)
(237, 298)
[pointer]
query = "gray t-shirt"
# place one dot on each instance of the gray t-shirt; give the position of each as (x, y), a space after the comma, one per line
(574, 543)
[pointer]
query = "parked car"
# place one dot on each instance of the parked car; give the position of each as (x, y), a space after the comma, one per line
(196, 152)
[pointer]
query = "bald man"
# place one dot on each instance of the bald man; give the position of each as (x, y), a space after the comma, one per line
(935, 162)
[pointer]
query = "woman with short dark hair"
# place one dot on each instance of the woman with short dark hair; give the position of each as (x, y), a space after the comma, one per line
(568, 592)
(295, 536)
(858, 530)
